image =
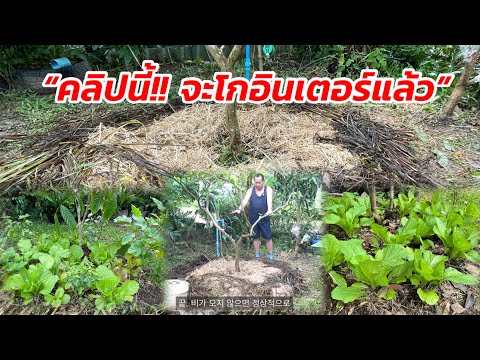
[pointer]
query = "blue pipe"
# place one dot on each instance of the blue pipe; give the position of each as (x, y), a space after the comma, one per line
(218, 234)
(247, 62)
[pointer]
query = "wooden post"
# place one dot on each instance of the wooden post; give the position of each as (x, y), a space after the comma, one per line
(260, 58)
(373, 203)
(298, 239)
(461, 85)
(392, 197)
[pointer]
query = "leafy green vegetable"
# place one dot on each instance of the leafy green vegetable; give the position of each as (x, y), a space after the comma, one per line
(458, 277)
(331, 256)
(428, 296)
(32, 282)
(406, 204)
(112, 294)
(346, 212)
(337, 279)
(60, 298)
(350, 293)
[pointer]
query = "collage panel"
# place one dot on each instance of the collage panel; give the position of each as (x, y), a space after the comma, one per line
(82, 251)
(245, 243)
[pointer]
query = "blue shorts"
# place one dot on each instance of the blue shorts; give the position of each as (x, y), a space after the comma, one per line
(262, 229)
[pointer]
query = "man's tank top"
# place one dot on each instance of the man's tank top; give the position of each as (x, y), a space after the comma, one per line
(258, 205)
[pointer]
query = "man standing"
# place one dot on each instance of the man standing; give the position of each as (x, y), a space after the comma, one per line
(260, 198)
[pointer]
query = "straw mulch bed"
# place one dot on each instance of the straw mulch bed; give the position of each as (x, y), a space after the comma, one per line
(125, 151)
(256, 278)
(192, 140)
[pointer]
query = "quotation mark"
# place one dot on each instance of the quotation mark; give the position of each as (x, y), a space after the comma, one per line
(445, 80)
(51, 80)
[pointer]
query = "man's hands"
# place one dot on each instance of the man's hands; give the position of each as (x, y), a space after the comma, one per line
(269, 213)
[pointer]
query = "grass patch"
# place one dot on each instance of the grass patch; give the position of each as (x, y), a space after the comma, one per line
(39, 112)
(313, 303)
(11, 232)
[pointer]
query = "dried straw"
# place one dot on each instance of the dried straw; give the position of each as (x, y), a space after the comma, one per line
(192, 139)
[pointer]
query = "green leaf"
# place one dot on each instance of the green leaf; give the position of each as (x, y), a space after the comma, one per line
(427, 244)
(123, 219)
(371, 272)
(67, 216)
(76, 251)
(366, 221)
(126, 291)
(415, 279)
(96, 203)
(46, 260)
(406, 232)
(58, 252)
(103, 272)
(48, 282)
(109, 206)
(448, 145)
(383, 233)
(423, 230)
(65, 299)
(64, 243)
(331, 219)
(337, 279)
(56, 225)
(159, 204)
(160, 254)
(81, 205)
(130, 287)
(442, 159)
(24, 245)
(351, 248)
(14, 282)
(458, 277)
(428, 296)
(331, 254)
(108, 284)
(420, 135)
(360, 285)
(127, 238)
(347, 294)
(59, 293)
(123, 250)
(473, 256)
(454, 219)
(472, 210)
(390, 294)
(440, 229)
(137, 249)
(136, 211)
(401, 273)
(428, 266)
(101, 303)
(393, 255)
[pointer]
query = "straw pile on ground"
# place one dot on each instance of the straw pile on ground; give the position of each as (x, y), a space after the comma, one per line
(196, 137)
(138, 148)
(256, 278)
